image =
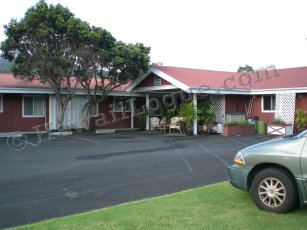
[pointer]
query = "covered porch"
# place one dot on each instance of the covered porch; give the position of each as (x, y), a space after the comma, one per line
(159, 104)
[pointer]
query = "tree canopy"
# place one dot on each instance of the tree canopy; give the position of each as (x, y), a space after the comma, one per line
(45, 43)
(52, 45)
(246, 68)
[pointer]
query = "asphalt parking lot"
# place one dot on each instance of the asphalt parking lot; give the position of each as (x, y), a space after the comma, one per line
(82, 172)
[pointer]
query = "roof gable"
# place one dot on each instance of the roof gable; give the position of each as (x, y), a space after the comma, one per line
(149, 81)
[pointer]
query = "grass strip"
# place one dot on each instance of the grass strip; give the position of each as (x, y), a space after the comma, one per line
(218, 206)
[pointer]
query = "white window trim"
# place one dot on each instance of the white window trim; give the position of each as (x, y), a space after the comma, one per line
(28, 116)
(1, 103)
(114, 108)
(157, 81)
(262, 105)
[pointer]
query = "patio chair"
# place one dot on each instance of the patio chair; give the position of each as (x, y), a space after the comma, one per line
(175, 123)
(154, 123)
(163, 126)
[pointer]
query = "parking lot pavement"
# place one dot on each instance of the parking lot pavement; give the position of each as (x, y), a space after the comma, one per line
(50, 178)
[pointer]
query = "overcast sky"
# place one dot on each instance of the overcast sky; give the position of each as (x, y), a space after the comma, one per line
(216, 35)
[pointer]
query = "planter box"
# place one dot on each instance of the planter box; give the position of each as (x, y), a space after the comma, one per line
(279, 130)
(238, 130)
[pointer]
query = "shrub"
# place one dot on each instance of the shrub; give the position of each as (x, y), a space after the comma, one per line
(186, 111)
(300, 118)
(237, 123)
(278, 121)
(141, 117)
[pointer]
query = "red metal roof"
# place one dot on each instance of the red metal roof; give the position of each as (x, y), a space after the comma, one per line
(9, 81)
(282, 78)
(194, 78)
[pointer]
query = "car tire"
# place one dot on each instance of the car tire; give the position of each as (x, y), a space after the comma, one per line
(273, 190)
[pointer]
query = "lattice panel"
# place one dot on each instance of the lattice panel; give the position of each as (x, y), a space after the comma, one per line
(285, 107)
(218, 106)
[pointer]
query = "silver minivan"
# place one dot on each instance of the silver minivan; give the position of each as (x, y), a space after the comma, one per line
(274, 172)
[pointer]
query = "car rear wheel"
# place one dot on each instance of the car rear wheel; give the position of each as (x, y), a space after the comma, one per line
(274, 190)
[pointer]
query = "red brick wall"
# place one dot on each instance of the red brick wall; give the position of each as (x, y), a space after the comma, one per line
(11, 118)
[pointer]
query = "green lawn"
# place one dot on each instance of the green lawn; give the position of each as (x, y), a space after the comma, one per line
(218, 206)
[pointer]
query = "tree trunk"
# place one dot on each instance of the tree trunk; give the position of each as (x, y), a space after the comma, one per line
(85, 115)
(62, 104)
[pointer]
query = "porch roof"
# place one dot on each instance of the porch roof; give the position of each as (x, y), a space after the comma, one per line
(265, 80)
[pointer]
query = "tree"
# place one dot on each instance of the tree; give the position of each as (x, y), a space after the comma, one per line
(107, 65)
(45, 45)
(246, 68)
(51, 45)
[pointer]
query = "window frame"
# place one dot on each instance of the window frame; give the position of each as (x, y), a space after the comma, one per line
(262, 103)
(1, 103)
(157, 81)
(33, 96)
(114, 107)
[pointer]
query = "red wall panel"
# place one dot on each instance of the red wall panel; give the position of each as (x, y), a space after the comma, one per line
(108, 119)
(11, 118)
(268, 117)
(235, 104)
(149, 81)
(301, 102)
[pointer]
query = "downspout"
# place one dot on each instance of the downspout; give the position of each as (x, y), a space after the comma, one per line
(147, 111)
(195, 114)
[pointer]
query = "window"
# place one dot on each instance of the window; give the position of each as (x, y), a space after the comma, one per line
(128, 105)
(33, 106)
(93, 111)
(117, 104)
(1, 103)
(157, 81)
(268, 103)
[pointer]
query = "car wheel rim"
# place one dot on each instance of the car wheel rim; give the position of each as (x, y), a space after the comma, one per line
(272, 192)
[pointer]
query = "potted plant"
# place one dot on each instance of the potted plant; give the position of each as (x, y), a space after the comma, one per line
(186, 111)
(238, 128)
(279, 127)
(300, 119)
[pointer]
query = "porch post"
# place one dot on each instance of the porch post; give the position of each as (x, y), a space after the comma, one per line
(195, 114)
(147, 111)
(132, 114)
(53, 110)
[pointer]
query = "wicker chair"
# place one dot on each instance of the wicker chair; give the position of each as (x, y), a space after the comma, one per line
(163, 126)
(154, 123)
(175, 123)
